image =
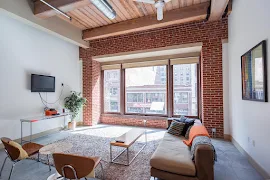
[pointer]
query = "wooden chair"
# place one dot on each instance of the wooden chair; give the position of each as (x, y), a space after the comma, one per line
(76, 167)
(14, 153)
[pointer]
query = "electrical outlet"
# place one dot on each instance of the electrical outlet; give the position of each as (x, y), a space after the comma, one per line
(253, 143)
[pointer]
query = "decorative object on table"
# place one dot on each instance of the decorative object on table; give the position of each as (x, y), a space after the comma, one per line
(50, 112)
(76, 167)
(74, 104)
(16, 153)
(254, 73)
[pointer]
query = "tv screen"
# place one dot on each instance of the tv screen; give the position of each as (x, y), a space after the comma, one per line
(40, 83)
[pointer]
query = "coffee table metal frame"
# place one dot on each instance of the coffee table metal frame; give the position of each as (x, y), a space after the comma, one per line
(127, 149)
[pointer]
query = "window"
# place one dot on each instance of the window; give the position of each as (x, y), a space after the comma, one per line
(145, 88)
(185, 103)
(112, 90)
(151, 83)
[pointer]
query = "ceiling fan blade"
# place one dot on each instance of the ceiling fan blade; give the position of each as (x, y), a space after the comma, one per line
(159, 13)
(167, 1)
(146, 1)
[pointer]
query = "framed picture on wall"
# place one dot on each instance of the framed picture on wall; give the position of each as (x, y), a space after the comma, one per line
(254, 73)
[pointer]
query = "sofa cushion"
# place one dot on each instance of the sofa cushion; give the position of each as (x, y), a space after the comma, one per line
(187, 125)
(172, 155)
(176, 128)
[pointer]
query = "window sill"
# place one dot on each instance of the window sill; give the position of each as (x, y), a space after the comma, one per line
(136, 116)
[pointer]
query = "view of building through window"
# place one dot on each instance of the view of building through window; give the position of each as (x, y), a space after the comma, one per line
(146, 93)
(112, 90)
(146, 90)
(185, 89)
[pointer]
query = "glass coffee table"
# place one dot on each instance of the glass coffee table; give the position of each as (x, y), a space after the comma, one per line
(54, 148)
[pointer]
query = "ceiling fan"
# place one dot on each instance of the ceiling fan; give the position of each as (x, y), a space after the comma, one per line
(159, 4)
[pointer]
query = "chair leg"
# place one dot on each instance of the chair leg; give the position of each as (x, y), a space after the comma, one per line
(38, 158)
(11, 171)
(49, 162)
(103, 175)
(3, 166)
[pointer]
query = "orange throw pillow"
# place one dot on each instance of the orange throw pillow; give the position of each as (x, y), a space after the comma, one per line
(194, 132)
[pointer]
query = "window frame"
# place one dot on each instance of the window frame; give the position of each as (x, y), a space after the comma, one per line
(102, 98)
(198, 93)
(146, 114)
(169, 92)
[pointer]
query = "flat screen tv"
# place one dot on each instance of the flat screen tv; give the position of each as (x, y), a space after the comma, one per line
(41, 83)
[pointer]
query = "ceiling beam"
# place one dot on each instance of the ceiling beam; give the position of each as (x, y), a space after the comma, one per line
(177, 16)
(217, 9)
(41, 10)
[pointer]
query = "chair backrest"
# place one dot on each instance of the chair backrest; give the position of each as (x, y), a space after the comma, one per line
(82, 165)
(12, 151)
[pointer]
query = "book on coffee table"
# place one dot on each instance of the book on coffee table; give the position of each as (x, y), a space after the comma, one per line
(120, 141)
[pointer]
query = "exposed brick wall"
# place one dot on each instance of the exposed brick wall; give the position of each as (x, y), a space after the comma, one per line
(156, 122)
(87, 86)
(209, 33)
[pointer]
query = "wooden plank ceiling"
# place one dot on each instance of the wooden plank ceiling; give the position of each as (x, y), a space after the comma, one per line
(89, 16)
(131, 16)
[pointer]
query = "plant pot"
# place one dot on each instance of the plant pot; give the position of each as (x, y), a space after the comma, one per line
(72, 125)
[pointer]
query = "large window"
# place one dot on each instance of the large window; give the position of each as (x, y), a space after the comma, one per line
(185, 94)
(150, 82)
(153, 88)
(112, 90)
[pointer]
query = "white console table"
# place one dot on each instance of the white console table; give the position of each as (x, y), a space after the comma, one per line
(37, 119)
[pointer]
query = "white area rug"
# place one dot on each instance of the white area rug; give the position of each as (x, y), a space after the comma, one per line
(96, 142)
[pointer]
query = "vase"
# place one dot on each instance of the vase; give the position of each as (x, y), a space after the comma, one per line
(72, 125)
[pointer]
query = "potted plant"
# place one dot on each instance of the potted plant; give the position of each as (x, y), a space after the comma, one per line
(74, 104)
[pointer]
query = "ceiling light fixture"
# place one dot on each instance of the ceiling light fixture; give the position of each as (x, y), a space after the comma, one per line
(57, 10)
(105, 8)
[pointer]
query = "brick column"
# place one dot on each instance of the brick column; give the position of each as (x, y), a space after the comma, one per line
(87, 83)
(212, 86)
(96, 92)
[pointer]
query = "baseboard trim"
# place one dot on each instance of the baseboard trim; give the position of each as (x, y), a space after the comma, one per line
(227, 137)
(35, 136)
(251, 160)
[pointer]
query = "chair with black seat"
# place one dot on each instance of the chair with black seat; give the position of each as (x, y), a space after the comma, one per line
(16, 153)
(76, 167)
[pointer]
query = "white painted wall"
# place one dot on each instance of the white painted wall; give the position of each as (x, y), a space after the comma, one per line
(22, 11)
(225, 71)
(25, 50)
(249, 23)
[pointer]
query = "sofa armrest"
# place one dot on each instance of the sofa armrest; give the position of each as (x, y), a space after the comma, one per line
(204, 162)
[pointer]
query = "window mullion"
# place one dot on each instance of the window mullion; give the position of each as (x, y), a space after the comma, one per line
(122, 92)
(170, 89)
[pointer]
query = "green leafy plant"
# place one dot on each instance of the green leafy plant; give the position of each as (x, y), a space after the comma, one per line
(74, 103)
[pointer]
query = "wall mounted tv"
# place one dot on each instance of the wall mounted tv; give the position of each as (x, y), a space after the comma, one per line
(41, 83)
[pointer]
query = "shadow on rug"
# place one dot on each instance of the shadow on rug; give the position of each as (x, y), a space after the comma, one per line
(89, 145)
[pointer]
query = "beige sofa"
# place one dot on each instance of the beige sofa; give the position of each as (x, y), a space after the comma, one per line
(172, 160)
